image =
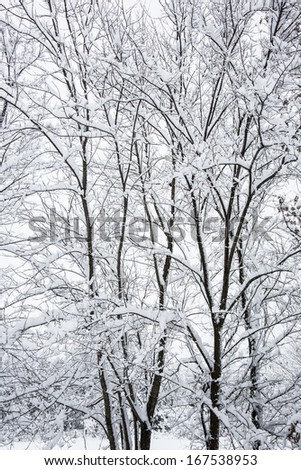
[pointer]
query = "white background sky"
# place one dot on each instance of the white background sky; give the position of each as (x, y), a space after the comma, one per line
(153, 6)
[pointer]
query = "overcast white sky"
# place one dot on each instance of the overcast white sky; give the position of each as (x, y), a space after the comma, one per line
(153, 6)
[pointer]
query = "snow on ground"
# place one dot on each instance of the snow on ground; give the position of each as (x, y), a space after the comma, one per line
(160, 442)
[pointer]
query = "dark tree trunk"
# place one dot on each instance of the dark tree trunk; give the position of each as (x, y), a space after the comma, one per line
(145, 437)
(215, 389)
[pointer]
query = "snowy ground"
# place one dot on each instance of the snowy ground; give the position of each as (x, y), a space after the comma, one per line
(160, 442)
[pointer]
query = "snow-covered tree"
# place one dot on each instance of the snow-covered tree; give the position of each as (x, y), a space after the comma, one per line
(148, 263)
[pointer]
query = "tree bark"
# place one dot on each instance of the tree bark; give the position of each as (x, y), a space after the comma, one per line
(215, 390)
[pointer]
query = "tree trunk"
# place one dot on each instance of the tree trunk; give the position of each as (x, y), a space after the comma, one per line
(145, 437)
(214, 422)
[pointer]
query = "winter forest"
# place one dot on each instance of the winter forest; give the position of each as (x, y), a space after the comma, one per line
(151, 223)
